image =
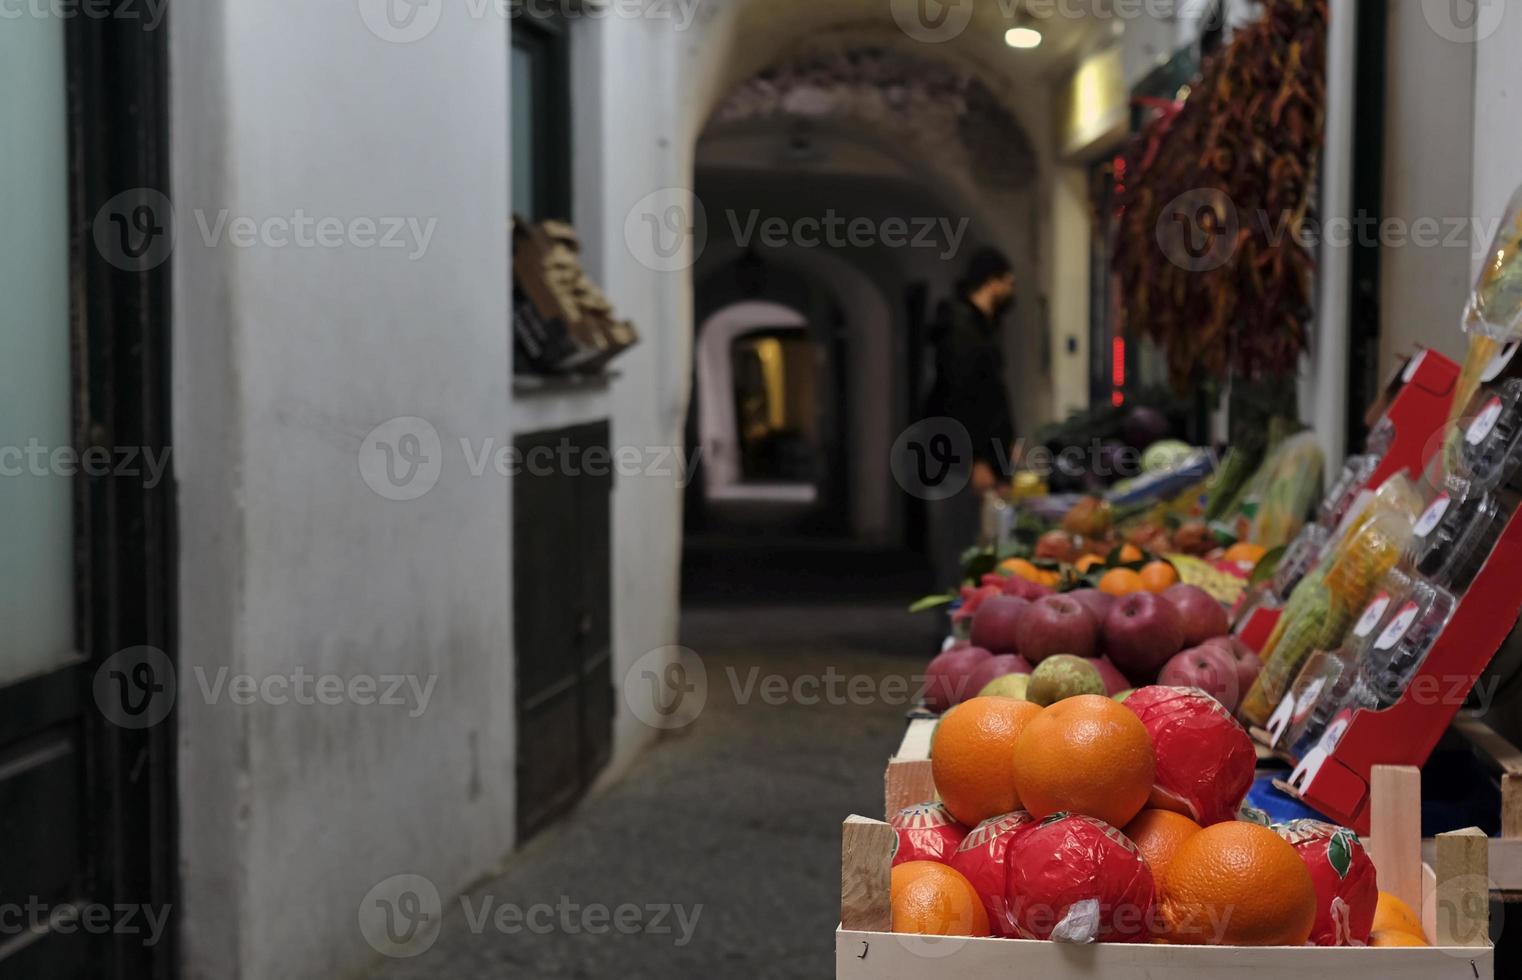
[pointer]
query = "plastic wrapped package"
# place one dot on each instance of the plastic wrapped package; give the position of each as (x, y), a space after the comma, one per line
(1455, 535)
(1328, 602)
(1484, 447)
(1317, 704)
(1406, 636)
(1302, 555)
(1347, 893)
(1355, 475)
(981, 858)
(1075, 879)
(1321, 685)
(1284, 492)
(1205, 761)
(1493, 317)
(926, 832)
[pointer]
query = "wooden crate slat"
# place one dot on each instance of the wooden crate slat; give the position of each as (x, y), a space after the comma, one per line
(866, 858)
(908, 780)
(880, 956)
(1463, 888)
(1395, 800)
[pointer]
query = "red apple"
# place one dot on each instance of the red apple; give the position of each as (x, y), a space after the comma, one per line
(1025, 589)
(1141, 634)
(1208, 668)
(1096, 602)
(1201, 616)
(995, 626)
(993, 668)
(1114, 680)
(1057, 624)
(946, 679)
(1247, 663)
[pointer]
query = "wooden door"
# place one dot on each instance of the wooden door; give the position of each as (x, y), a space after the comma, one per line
(562, 550)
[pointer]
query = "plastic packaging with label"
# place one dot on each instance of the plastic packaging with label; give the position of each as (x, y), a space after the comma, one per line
(1355, 475)
(1302, 555)
(1342, 669)
(1490, 430)
(1454, 536)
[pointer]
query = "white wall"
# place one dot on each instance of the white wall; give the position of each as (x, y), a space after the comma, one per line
(629, 144)
(1497, 103)
(1429, 175)
(285, 358)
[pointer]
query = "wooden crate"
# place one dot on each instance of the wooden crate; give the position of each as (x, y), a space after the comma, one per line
(1505, 760)
(1453, 898)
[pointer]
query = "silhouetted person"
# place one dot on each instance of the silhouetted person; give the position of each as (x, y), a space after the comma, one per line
(969, 387)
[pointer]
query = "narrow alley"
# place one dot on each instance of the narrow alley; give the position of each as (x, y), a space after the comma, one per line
(733, 822)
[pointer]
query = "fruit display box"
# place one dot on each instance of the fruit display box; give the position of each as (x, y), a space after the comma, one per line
(1418, 411)
(1452, 895)
(1336, 782)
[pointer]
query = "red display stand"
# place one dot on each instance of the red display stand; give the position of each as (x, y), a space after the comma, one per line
(1417, 414)
(1406, 733)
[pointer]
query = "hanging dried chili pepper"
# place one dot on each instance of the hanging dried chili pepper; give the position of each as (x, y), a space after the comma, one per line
(1236, 296)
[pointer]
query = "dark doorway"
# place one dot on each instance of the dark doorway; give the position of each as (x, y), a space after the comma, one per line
(87, 803)
(562, 601)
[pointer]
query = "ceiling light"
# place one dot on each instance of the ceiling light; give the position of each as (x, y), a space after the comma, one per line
(1024, 38)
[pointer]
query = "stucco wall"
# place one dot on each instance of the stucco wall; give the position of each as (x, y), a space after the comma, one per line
(286, 358)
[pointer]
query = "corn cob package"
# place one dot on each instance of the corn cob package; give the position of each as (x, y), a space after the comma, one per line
(1326, 603)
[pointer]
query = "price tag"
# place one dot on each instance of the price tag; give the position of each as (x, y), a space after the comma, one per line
(1310, 766)
(1372, 615)
(1484, 423)
(1432, 515)
(1308, 698)
(1396, 630)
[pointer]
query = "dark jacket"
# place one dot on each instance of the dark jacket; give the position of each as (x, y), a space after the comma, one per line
(969, 381)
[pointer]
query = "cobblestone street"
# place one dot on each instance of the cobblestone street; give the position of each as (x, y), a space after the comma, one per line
(733, 823)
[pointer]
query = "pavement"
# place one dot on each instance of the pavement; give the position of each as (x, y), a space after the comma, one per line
(718, 854)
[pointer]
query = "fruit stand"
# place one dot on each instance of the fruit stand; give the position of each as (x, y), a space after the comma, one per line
(1451, 892)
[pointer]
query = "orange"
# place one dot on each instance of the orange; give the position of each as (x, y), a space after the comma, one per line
(1121, 582)
(1086, 755)
(1394, 937)
(1158, 834)
(1130, 553)
(1087, 562)
(1158, 576)
(1050, 579)
(1021, 568)
(1237, 884)
(1394, 915)
(930, 899)
(1246, 551)
(970, 753)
